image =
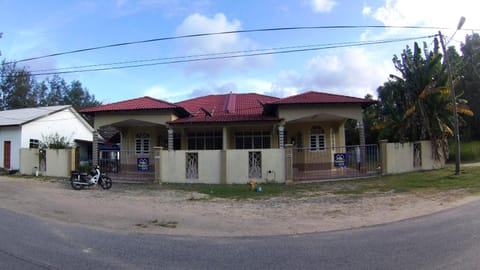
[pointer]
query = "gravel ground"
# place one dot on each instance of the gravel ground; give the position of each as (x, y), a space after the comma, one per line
(187, 213)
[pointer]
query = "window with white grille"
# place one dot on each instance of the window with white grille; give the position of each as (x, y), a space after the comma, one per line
(255, 165)
(142, 143)
(317, 139)
(192, 165)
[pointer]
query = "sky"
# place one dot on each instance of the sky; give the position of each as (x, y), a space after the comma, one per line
(38, 28)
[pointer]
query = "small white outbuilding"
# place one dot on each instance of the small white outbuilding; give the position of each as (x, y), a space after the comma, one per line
(27, 128)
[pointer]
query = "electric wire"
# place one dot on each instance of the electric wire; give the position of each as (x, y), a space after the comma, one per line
(228, 55)
(353, 43)
(224, 33)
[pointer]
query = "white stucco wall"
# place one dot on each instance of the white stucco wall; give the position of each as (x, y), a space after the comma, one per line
(11, 134)
(273, 166)
(29, 160)
(325, 112)
(173, 166)
(65, 123)
(59, 162)
(217, 166)
(398, 158)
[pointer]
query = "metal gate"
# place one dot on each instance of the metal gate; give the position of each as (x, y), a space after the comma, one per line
(335, 162)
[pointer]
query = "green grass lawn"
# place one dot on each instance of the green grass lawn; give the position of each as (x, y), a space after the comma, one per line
(438, 180)
(469, 151)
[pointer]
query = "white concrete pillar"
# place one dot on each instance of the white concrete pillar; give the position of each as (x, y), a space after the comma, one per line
(224, 138)
(95, 148)
(170, 139)
(281, 137)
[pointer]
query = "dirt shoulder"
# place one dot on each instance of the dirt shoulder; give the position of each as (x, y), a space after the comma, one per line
(187, 213)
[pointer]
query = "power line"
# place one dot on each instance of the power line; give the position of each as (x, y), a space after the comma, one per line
(223, 33)
(353, 43)
(227, 55)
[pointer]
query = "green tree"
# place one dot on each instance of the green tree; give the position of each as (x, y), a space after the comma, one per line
(79, 97)
(470, 82)
(57, 90)
(55, 141)
(15, 85)
(416, 105)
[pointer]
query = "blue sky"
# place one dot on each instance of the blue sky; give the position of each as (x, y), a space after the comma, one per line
(36, 28)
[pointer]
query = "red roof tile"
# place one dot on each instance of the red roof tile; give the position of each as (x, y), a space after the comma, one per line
(143, 103)
(222, 118)
(226, 108)
(319, 98)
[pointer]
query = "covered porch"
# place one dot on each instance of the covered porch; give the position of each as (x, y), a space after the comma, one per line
(131, 159)
(316, 144)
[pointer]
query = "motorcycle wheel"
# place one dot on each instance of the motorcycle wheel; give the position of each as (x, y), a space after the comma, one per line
(106, 182)
(76, 186)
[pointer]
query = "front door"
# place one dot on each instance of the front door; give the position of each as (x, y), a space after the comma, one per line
(6, 154)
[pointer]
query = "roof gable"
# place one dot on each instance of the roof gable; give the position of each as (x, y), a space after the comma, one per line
(143, 103)
(313, 97)
(18, 117)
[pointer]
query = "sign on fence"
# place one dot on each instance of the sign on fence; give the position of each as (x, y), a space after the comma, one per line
(340, 159)
(143, 164)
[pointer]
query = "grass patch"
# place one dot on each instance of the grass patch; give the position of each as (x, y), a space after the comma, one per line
(436, 180)
(469, 151)
(233, 191)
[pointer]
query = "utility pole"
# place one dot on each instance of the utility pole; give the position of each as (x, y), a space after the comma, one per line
(453, 97)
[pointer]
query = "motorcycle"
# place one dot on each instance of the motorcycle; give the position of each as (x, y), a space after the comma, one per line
(95, 177)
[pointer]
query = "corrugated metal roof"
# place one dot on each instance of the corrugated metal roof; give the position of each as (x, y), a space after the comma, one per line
(21, 116)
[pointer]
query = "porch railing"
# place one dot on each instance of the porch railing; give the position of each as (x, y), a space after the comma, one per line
(335, 162)
(126, 161)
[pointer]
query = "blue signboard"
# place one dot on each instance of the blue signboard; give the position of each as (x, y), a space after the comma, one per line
(340, 159)
(143, 164)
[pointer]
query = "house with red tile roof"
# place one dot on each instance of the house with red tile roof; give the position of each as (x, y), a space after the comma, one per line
(233, 138)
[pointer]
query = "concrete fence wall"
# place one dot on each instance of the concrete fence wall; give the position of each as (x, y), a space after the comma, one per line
(218, 166)
(408, 157)
(29, 161)
(58, 162)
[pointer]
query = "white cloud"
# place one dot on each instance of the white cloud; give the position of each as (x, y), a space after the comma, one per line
(353, 71)
(432, 13)
(234, 85)
(366, 11)
(163, 93)
(322, 6)
(215, 44)
(197, 23)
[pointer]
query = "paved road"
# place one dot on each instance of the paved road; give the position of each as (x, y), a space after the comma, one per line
(447, 240)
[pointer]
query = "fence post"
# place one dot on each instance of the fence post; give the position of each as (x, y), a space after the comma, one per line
(157, 157)
(288, 164)
(361, 131)
(383, 156)
(281, 136)
(95, 148)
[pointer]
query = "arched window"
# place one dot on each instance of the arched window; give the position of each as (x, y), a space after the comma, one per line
(142, 143)
(317, 139)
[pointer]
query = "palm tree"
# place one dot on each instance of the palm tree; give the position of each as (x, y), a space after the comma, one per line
(416, 105)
